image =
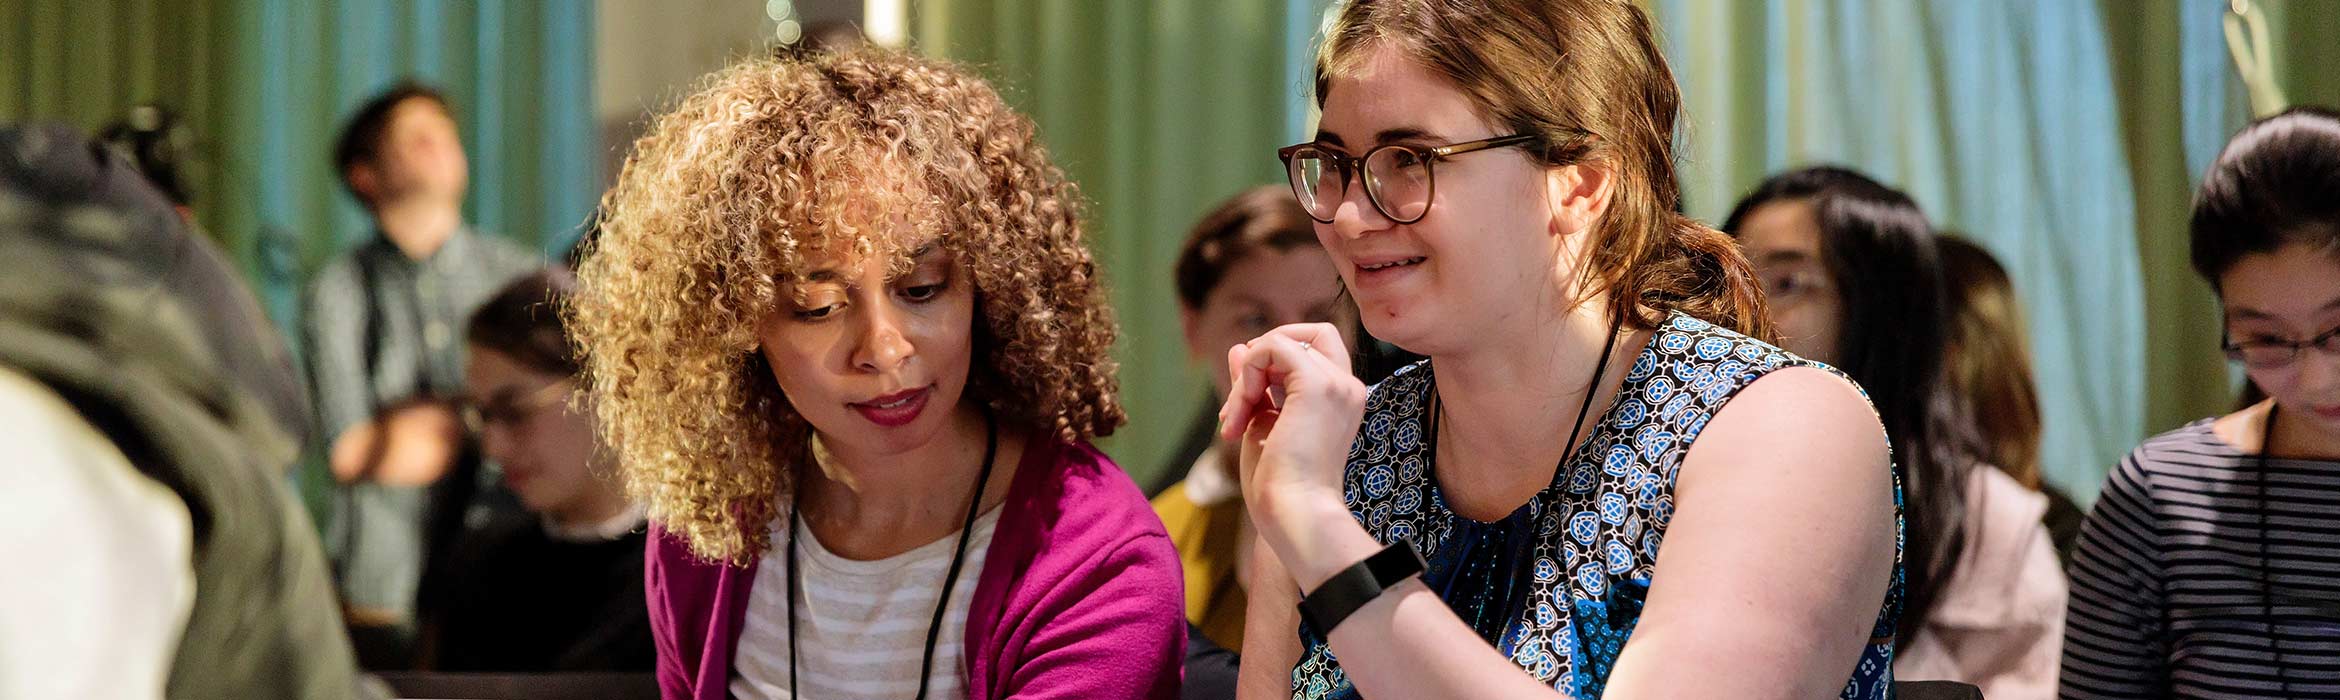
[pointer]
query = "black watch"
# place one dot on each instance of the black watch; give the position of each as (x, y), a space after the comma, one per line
(1339, 596)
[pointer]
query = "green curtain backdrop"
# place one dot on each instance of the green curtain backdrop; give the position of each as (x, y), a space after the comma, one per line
(86, 63)
(2064, 134)
(1998, 116)
(2100, 113)
(2181, 100)
(1158, 110)
(265, 85)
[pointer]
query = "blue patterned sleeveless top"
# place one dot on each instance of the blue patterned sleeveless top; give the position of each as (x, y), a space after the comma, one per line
(1558, 585)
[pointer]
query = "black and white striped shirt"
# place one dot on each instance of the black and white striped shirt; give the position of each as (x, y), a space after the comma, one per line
(2168, 598)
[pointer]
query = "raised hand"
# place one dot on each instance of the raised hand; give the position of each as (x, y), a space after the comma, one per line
(1293, 406)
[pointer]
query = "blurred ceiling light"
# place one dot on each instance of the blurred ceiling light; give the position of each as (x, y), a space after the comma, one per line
(887, 22)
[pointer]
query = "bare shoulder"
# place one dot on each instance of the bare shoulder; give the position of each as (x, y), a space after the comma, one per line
(1780, 551)
(1808, 412)
(1803, 436)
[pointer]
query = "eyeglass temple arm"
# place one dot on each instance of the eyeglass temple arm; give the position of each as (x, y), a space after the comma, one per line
(1481, 144)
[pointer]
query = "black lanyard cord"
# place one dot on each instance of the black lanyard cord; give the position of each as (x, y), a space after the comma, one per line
(1513, 602)
(942, 603)
(2266, 576)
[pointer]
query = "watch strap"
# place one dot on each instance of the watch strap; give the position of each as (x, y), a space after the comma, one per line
(1340, 596)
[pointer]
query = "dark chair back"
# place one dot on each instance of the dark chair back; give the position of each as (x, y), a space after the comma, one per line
(522, 686)
(1935, 690)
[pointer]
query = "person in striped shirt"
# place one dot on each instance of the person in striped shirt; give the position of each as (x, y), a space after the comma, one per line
(2210, 566)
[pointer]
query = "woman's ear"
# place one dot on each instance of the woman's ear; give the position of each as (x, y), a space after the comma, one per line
(1578, 194)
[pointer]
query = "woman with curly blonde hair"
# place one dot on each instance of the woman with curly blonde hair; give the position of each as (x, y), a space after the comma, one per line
(850, 347)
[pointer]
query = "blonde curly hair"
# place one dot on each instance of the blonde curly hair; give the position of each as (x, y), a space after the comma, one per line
(734, 193)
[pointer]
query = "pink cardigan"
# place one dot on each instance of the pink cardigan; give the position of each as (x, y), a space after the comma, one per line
(1080, 595)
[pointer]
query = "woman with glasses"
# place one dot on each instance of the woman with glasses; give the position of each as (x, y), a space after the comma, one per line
(2211, 563)
(1854, 276)
(1601, 483)
(560, 589)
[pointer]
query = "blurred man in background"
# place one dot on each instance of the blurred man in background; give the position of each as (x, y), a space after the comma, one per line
(381, 326)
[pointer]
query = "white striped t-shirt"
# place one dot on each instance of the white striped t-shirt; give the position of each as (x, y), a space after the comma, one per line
(860, 625)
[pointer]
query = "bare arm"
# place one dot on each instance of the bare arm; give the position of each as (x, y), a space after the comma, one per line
(1271, 631)
(1778, 558)
(407, 445)
(1405, 644)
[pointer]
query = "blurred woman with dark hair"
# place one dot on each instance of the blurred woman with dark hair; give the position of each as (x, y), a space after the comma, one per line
(1986, 369)
(1250, 265)
(1855, 280)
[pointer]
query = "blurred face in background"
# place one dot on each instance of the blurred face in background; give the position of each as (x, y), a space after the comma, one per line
(1258, 292)
(527, 424)
(2291, 294)
(1782, 239)
(420, 156)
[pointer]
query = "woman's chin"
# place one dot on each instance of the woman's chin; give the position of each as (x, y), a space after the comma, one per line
(1411, 332)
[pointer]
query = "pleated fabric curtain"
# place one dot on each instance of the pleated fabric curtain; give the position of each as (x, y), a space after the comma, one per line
(1157, 110)
(1999, 116)
(264, 85)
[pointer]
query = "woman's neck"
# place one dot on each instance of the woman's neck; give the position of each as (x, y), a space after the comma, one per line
(869, 507)
(2293, 436)
(418, 227)
(1506, 406)
(2298, 436)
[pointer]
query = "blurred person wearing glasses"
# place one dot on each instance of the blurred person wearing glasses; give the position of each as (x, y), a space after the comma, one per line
(559, 588)
(2208, 566)
(1496, 189)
